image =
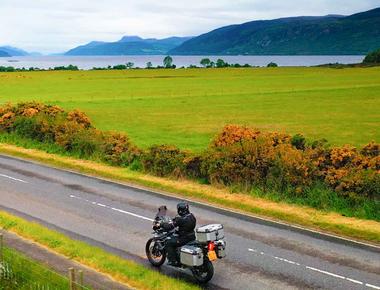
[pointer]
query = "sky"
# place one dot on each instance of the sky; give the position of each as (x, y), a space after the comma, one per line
(54, 26)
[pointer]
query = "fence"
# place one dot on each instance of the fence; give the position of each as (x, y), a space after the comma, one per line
(21, 273)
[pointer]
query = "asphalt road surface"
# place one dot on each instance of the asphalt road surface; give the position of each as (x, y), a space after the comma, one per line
(260, 255)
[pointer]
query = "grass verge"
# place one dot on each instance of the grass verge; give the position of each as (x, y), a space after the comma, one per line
(329, 222)
(125, 271)
(24, 273)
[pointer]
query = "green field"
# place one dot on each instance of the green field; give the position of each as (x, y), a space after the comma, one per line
(187, 107)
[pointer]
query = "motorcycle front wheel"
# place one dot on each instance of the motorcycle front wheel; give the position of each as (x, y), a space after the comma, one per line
(155, 255)
(204, 273)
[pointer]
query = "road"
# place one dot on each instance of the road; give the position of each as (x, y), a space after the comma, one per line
(261, 255)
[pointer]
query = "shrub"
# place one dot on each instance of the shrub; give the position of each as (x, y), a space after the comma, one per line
(164, 160)
(80, 118)
(292, 168)
(86, 142)
(6, 121)
(232, 134)
(298, 141)
(118, 150)
(246, 163)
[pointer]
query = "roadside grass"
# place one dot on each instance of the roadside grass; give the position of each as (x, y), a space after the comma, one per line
(322, 220)
(186, 107)
(24, 273)
(122, 270)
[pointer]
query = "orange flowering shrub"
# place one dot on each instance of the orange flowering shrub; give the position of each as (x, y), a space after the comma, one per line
(80, 118)
(232, 134)
(247, 163)
(290, 162)
(6, 121)
(72, 131)
(118, 149)
(164, 160)
(293, 168)
(371, 149)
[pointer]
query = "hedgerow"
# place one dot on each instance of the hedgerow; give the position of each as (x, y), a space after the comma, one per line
(238, 157)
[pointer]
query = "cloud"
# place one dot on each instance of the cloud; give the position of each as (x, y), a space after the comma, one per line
(55, 25)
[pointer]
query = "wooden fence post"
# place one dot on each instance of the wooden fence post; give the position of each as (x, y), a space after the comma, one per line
(80, 272)
(72, 279)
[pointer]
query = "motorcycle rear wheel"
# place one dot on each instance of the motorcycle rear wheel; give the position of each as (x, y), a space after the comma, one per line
(155, 256)
(204, 273)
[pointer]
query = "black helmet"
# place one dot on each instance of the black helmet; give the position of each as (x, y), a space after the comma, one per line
(182, 208)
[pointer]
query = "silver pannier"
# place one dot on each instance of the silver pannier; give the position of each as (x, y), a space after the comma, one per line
(191, 256)
(210, 233)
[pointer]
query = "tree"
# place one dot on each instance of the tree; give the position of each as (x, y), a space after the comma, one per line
(372, 57)
(119, 66)
(130, 65)
(168, 61)
(272, 64)
(205, 62)
(149, 65)
(220, 63)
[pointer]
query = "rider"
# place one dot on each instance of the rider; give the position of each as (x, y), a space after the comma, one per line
(185, 222)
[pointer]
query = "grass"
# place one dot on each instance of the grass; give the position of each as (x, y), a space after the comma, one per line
(187, 107)
(302, 215)
(122, 270)
(23, 273)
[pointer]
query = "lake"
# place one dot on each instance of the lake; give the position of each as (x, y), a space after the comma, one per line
(88, 62)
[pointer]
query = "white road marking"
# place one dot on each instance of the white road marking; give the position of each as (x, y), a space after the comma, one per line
(316, 270)
(354, 281)
(372, 286)
(13, 178)
(325, 272)
(112, 208)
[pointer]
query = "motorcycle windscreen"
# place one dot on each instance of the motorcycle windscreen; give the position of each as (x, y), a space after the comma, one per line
(161, 211)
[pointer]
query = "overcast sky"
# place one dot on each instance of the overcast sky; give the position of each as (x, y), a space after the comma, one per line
(51, 26)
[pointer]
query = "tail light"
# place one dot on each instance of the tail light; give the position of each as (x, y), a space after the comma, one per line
(211, 246)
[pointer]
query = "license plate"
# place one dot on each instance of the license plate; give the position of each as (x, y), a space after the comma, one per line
(212, 255)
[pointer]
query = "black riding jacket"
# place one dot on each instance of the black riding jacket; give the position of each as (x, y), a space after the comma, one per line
(186, 225)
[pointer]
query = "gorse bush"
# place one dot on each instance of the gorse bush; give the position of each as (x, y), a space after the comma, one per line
(164, 160)
(238, 157)
(72, 131)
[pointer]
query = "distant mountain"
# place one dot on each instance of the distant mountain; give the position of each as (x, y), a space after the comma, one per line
(4, 54)
(129, 45)
(331, 34)
(13, 51)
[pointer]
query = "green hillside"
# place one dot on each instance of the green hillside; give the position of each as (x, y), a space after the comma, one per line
(129, 45)
(332, 34)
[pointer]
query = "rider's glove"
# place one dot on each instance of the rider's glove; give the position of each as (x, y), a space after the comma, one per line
(156, 226)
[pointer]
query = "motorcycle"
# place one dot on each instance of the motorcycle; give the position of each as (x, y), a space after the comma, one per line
(196, 255)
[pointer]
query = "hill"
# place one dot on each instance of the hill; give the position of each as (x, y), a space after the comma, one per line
(331, 34)
(4, 54)
(13, 51)
(129, 45)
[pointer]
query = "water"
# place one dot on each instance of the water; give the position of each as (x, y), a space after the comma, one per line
(88, 62)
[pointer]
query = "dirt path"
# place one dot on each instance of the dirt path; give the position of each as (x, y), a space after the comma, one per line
(59, 263)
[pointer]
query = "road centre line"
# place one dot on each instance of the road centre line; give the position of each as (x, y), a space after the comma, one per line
(316, 270)
(112, 208)
(13, 178)
(372, 286)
